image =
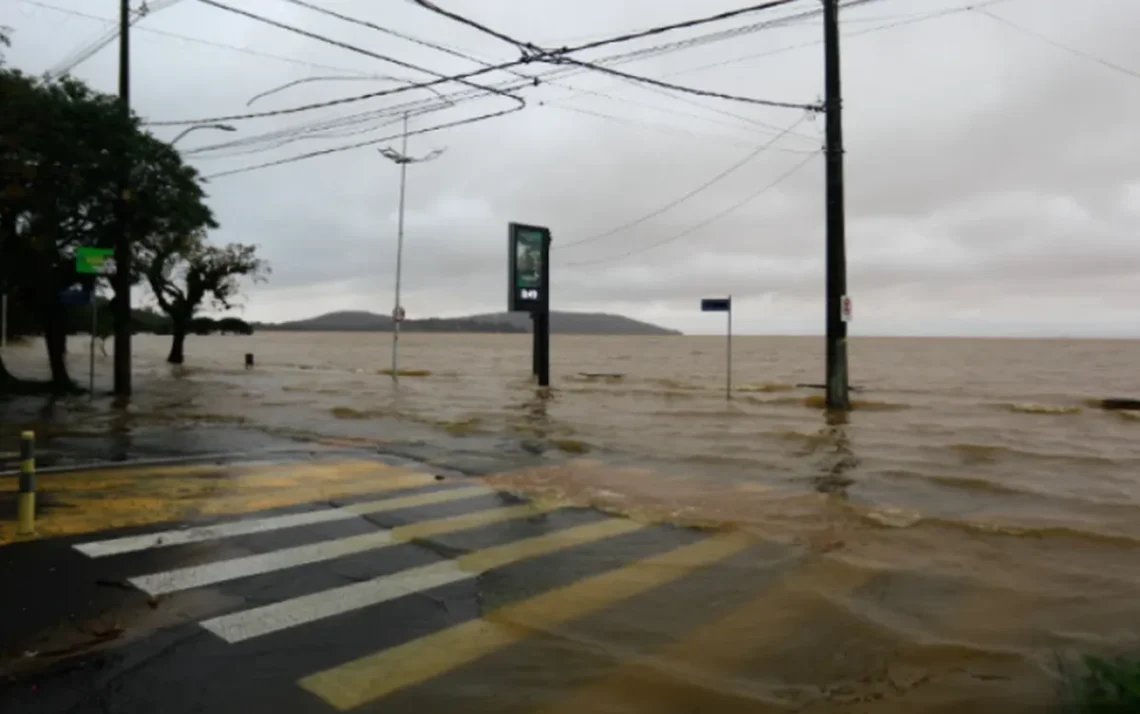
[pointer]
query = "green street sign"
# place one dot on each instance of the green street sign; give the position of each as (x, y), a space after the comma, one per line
(93, 261)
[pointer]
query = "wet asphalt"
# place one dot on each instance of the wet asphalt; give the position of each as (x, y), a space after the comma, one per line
(77, 637)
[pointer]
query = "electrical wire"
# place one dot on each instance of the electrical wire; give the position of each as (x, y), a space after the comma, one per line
(755, 125)
(691, 90)
(676, 202)
(643, 124)
(352, 48)
(358, 145)
(393, 33)
(427, 5)
(80, 56)
(628, 37)
(461, 55)
(474, 73)
(198, 40)
(934, 15)
(708, 221)
(330, 78)
(1059, 45)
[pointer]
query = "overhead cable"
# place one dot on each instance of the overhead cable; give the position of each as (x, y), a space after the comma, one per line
(470, 74)
(676, 202)
(352, 48)
(706, 222)
(198, 40)
(1059, 45)
(691, 90)
(371, 142)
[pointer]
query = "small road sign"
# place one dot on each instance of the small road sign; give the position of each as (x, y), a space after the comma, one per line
(716, 304)
(94, 261)
(398, 314)
(845, 308)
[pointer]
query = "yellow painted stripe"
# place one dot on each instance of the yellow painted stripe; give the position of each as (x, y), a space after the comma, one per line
(483, 560)
(374, 676)
(427, 529)
(28, 465)
(98, 501)
(26, 514)
(247, 624)
(422, 499)
(759, 625)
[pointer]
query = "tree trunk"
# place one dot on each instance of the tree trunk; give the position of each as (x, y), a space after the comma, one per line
(55, 336)
(177, 345)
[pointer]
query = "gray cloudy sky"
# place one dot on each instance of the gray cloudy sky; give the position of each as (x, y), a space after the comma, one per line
(993, 179)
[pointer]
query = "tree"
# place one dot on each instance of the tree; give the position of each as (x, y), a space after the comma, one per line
(62, 148)
(186, 273)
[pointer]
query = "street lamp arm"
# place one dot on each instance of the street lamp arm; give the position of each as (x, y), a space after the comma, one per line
(396, 157)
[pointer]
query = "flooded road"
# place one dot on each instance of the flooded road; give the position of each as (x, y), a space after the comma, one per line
(973, 521)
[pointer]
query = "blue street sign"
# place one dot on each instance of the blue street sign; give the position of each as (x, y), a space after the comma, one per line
(716, 305)
(77, 297)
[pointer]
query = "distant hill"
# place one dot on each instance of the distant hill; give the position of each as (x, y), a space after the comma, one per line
(574, 323)
(580, 323)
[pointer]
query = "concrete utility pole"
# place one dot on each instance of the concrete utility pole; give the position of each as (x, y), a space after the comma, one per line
(837, 394)
(403, 160)
(122, 277)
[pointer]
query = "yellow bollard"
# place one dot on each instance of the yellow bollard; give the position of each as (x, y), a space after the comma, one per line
(26, 500)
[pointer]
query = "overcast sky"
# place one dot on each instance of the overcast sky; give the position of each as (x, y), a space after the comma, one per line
(993, 180)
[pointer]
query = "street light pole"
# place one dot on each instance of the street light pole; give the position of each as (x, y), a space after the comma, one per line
(397, 318)
(403, 160)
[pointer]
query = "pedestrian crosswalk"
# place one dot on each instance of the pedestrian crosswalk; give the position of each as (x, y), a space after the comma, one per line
(460, 533)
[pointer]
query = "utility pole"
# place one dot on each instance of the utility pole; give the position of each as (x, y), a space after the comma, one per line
(403, 160)
(122, 277)
(837, 397)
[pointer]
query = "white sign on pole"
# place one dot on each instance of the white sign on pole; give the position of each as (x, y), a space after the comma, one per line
(398, 314)
(845, 308)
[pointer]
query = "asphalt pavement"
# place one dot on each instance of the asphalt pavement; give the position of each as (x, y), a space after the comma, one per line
(394, 590)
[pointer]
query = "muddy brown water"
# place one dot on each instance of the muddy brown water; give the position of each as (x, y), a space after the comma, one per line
(974, 521)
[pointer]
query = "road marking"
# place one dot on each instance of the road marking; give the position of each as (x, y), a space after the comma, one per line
(163, 539)
(760, 624)
(211, 573)
(369, 678)
(264, 620)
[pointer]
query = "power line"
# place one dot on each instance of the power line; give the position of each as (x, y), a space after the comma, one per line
(471, 23)
(937, 14)
(769, 128)
(393, 33)
(80, 56)
(690, 90)
(198, 40)
(345, 45)
(772, 4)
(371, 142)
(473, 73)
(641, 123)
(676, 202)
(711, 219)
(1059, 45)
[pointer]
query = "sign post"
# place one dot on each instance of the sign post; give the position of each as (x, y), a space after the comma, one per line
(723, 305)
(94, 261)
(528, 288)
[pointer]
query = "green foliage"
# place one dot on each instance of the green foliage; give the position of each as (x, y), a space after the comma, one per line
(1107, 686)
(64, 151)
(186, 273)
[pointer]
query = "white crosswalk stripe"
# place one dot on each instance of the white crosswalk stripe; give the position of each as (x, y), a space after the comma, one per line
(130, 544)
(357, 682)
